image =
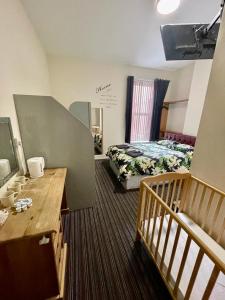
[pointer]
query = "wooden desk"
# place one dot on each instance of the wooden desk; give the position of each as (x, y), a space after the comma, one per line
(33, 267)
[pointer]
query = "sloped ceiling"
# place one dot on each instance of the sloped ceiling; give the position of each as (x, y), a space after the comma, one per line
(120, 31)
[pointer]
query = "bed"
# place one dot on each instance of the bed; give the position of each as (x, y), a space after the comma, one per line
(181, 224)
(168, 155)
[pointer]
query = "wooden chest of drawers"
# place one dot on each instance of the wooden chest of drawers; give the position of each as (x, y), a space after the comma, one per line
(32, 249)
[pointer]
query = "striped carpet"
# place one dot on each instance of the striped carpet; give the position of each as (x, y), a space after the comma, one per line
(103, 262)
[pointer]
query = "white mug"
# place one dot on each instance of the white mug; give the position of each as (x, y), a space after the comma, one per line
(8, 198)
(15, 187)
(21, 179)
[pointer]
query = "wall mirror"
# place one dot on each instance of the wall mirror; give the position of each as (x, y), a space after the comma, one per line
(8, 159)
(97, 129)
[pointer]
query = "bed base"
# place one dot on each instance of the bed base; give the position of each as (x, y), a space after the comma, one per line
(165, 196)
(129, 184)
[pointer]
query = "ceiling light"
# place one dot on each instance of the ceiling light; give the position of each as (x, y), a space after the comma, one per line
(166, 7)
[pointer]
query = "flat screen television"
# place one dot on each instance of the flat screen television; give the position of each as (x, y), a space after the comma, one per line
(187, 41)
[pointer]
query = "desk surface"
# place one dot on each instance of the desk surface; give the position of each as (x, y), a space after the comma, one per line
(46, 193)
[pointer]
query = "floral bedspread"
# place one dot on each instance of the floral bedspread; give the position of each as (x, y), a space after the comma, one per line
(158, 157)
(176, 146)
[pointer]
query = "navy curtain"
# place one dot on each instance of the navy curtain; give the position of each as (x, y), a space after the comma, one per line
(160, 89)
(130, 87)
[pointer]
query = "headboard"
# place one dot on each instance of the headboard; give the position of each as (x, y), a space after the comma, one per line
(180, 137)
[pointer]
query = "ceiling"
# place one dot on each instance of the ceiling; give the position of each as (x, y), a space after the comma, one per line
(118, 31)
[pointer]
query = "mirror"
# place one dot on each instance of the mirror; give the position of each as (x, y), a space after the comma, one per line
(8, 160)
(97, 129)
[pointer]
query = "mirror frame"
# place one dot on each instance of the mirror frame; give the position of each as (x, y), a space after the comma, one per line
(6, 120)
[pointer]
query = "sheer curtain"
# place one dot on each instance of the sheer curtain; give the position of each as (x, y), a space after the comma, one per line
(142, 108)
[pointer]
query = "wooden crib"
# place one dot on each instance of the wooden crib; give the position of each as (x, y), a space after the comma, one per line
(181, 221)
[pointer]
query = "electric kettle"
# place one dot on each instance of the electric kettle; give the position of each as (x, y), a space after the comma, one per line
(36, 166)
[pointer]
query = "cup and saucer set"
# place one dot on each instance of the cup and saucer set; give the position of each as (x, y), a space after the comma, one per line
(9, 199)
(22, 204)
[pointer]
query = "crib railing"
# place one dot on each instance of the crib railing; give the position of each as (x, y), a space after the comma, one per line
(206, 206)
(163, 197)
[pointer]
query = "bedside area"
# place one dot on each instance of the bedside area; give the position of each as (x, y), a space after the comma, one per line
(33, 253)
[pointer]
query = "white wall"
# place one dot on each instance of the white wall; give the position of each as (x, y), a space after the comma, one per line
(197, 95)
(181, 90)
(189, 83)
(23, 63)
(209, 159)
(176, 117)
(74, 80)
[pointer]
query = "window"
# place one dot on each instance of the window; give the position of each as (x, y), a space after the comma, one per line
(142, 107)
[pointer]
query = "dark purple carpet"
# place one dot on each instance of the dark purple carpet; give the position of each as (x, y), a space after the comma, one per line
(103, 262)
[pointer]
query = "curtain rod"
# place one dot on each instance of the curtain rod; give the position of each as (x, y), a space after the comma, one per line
(141, 79)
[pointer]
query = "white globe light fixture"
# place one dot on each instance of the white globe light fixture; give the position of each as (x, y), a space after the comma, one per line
(166, 7)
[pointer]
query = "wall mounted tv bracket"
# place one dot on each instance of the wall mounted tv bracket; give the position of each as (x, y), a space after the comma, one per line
(206, 30)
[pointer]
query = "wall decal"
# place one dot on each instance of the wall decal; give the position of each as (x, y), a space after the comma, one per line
(102, 88)
(107, 98)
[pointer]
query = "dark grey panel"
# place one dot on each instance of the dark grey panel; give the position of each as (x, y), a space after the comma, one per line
(82, 111)
(49, 130)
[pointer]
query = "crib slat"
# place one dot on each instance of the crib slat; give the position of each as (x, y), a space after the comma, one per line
(211, 283)
(157, 189)
(154, 223)
(166, 241)
(173, 194)
(185, 188)
(173, 251)
(201, 201)
(162, 192)
(168, 192)
(151, 206)
(142, 196)
(182, 265)
(163, 211)
(220, 235)
(194, 274)
(161, 196)
(147, 195)
(177, 202)
(194, 196)
(218, 207)
(208, 208)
